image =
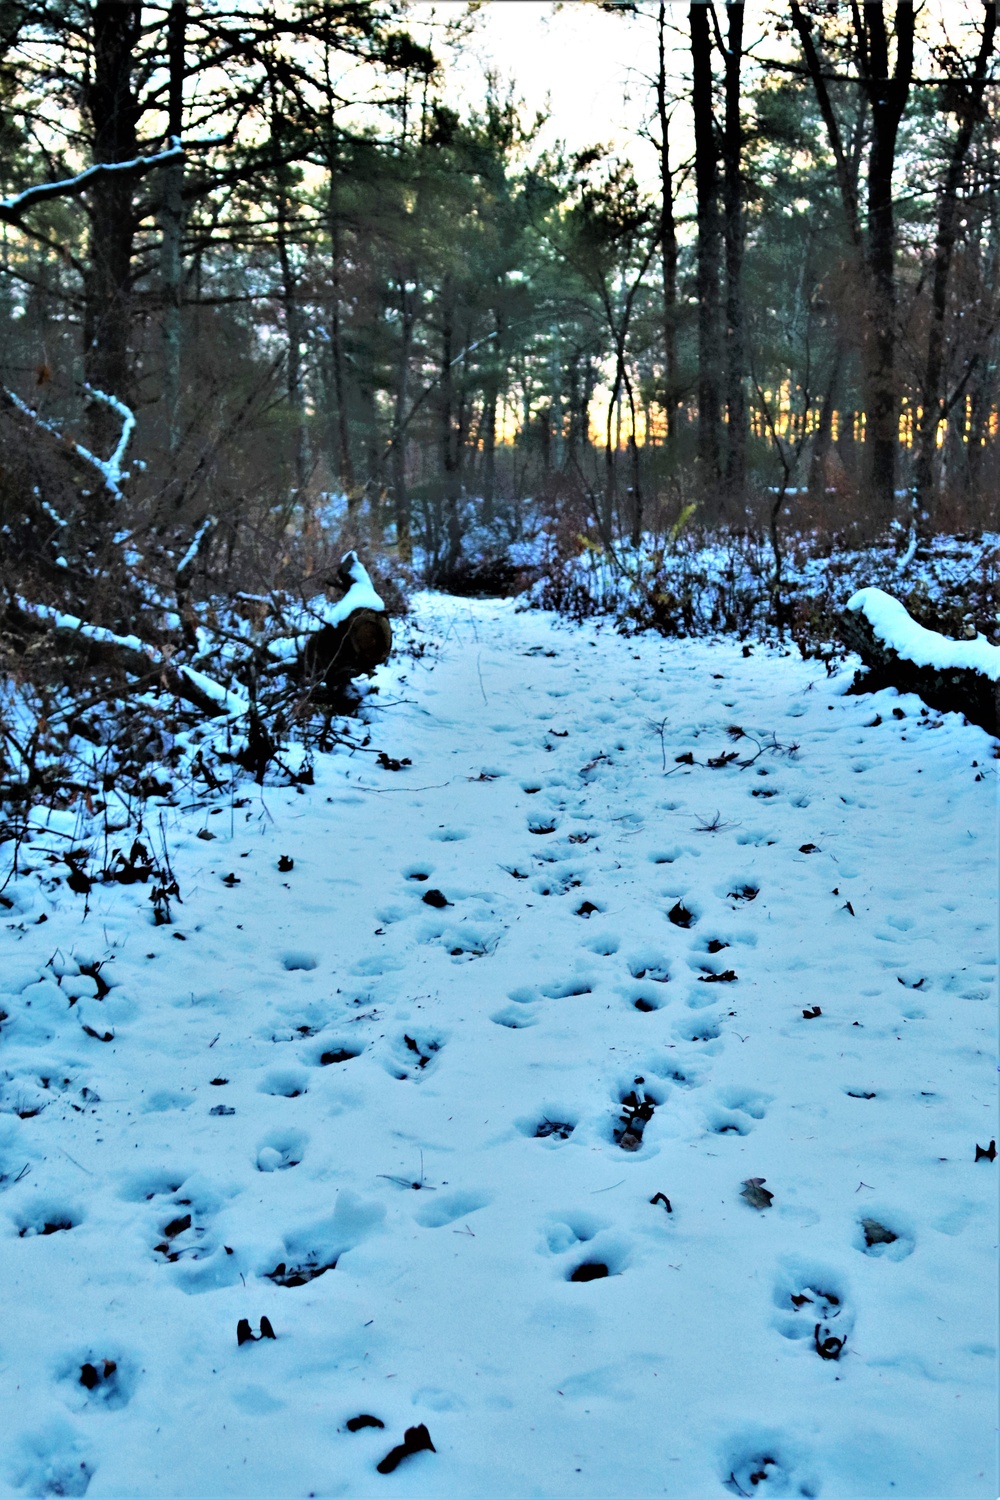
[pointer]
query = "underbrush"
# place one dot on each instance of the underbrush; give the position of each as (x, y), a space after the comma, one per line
(723, 584)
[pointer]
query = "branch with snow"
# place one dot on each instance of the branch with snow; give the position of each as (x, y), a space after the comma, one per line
(138, 656)
(110, 469)
(11, 209)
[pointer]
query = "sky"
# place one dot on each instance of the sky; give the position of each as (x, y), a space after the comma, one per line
(589, 68)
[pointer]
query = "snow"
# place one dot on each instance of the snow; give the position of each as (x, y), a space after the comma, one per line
(196, 540)
(925, 648)
(317, 1065)
(111, 467)
(63, 621)
(360, 595)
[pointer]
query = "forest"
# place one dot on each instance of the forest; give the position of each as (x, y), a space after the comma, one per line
(274, 291)
(332, 298)
(499, 664)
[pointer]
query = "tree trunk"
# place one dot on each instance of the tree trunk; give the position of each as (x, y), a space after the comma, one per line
(824, 432)
(706, 180)
(171, 250)
(450, 449)
(887, 97)
(933, 408)
(111, 105)
(736, 431)
(668, 235)
(345, 462)
(400, 495)
(293, 324)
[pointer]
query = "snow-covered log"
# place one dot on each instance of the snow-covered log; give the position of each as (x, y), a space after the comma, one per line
(958, 676)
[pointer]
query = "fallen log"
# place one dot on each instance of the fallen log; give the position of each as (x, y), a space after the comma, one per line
(950, 676)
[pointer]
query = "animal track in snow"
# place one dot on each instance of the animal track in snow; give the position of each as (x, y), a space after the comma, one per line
(762, 1462)
(884, 1233)
(648, 963)
(52, 1461)
(514, 1017)
(604, 943)
(749, 1101)
(317, 1248)
(413, 1053)
(542, 825)
(682, 915)
(298, 959)
(565, 989)
(643, 998)
(706, 1030)
(280, 1149)
(813, 1305)
(47, 1216)
(334, 1051)
(97, 1377)
(554, 1124)
(447, 1207)
(285, 1083)
(665, 856)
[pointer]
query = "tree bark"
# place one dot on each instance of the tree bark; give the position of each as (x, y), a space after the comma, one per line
(706, 181)
(668, 235)
(733, 225)
(110, 102)
(933, 407)
(172, 220)
(400, 494)
(290, 306)
(887, 97)
(345, 461)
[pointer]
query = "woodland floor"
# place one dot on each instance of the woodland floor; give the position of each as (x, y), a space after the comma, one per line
(380, 1080)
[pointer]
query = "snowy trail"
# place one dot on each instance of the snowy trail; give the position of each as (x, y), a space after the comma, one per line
(394, 1097)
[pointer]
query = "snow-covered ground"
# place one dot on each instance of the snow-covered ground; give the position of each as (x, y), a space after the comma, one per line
(427, 1050)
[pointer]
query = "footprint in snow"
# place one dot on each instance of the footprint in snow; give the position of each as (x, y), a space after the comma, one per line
(299, 959)
(281, 1149)
(705, 1030)
(759, 1461)
(45, 1216)
(644, 998)
(311, 1251)
(813, 1305)
(284, 1083)
(335, 1050)
(413, 1054)
(884, 1233)
(54, 1460)
(553, 1124)
(448, 1207)
(97, 1377)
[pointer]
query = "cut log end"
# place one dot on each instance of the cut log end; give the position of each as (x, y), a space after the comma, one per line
(354, 648)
